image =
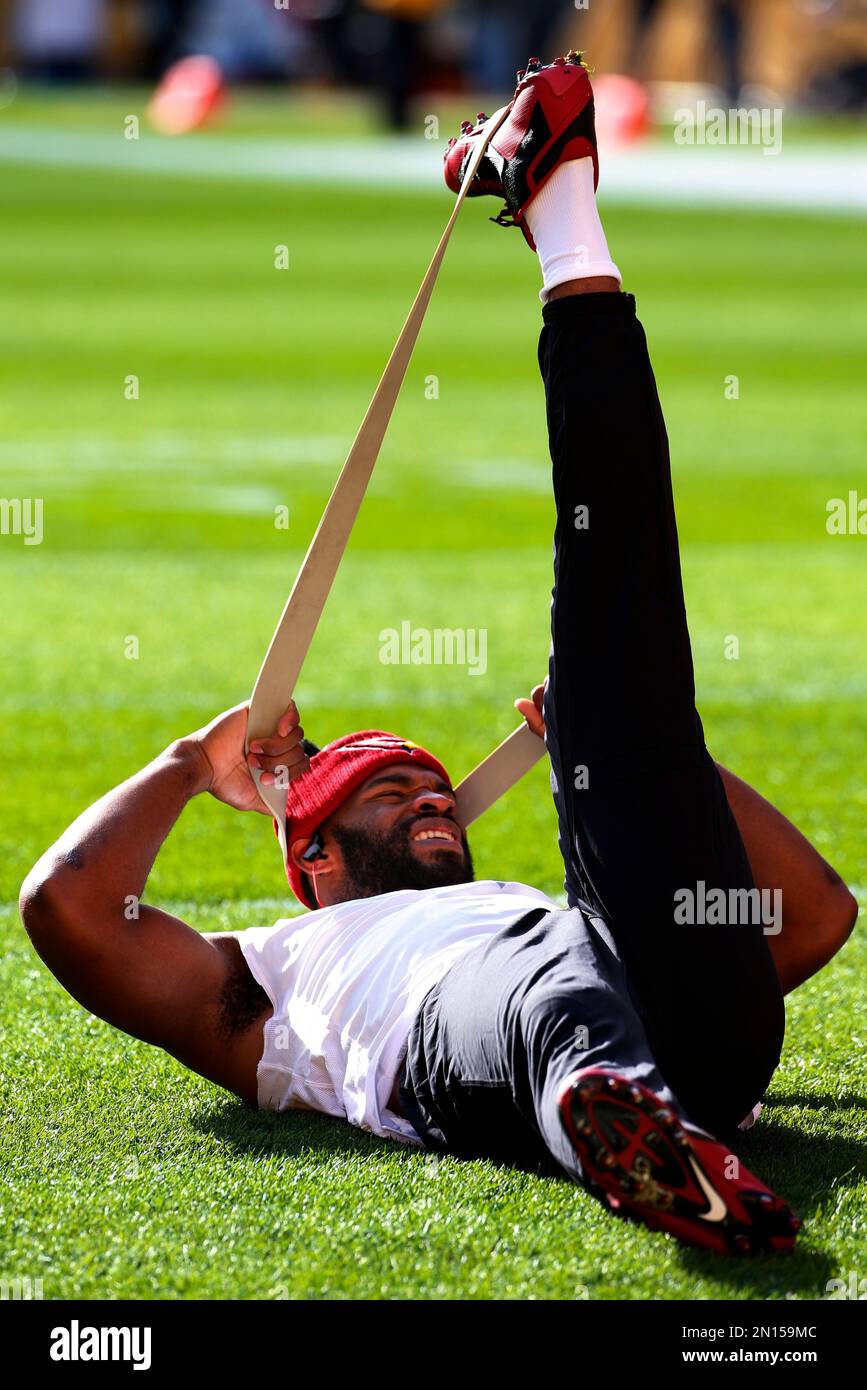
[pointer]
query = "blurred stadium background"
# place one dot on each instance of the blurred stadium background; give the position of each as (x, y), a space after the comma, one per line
(811, 53)
(155, 258)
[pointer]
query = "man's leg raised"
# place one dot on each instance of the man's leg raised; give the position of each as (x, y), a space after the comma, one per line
(645, 828)
(640, 804)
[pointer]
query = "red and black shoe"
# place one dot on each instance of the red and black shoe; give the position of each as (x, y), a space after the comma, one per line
(637, 1156)
(550, 120)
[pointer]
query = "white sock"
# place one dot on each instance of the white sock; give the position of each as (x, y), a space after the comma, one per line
(565, 226)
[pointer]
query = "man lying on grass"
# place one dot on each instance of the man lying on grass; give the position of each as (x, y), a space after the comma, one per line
(610, 1039)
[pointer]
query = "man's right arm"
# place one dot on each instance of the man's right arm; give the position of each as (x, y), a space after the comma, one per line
(136, 966)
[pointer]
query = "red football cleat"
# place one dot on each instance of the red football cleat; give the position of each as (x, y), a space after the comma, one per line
(550, 120)
(639, 1158)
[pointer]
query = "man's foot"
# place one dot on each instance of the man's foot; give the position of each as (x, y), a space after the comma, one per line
(638, 1158)
(550, 121)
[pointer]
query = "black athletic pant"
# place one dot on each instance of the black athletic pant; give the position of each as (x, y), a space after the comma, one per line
(694, 1011)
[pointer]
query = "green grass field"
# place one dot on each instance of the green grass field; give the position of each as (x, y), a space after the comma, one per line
(123, 1175)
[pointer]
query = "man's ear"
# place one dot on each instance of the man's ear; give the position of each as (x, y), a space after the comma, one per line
(323, 861)
(297, 850)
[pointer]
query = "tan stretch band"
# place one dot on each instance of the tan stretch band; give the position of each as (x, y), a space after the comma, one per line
(294, 632)
(499, 771)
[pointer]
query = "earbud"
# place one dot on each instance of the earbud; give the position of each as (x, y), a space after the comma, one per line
(310, 855)
(314, 849)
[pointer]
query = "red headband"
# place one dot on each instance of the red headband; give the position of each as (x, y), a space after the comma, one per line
(334, 773)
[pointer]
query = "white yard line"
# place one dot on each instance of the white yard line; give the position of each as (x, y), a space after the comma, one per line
(820, 178)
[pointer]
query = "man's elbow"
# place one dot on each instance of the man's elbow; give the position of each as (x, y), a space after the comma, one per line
(43, 902)
(840, 913)
(33, 902)
(848, 912)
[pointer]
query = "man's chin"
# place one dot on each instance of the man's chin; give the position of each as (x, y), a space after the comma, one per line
(437, 869)
(447, 871)
(414, 875)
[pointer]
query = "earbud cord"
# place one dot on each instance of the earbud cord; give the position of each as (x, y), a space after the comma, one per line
(315, 892)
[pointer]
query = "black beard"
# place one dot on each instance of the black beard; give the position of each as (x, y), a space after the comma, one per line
(377, 863)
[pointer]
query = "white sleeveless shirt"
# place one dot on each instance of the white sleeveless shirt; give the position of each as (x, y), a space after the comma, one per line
(345, 983)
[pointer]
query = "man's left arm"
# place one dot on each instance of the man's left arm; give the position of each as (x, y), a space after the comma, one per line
(819, 911)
